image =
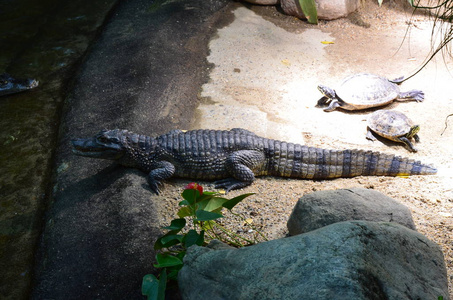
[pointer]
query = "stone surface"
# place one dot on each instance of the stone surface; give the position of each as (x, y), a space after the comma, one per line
(103, 220)
(347, 260)
(322, 208)
(327, 9)
(263, 2)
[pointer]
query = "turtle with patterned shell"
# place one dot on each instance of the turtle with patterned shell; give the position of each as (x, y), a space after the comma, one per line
(393, 125)
(363, 91)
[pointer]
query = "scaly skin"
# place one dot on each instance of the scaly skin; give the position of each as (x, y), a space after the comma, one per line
(235, 157)
(10, 85)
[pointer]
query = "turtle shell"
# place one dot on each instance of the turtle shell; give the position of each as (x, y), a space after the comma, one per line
(365, 90)
(390, 124)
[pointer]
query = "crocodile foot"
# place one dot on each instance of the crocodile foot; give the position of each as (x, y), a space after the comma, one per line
(155, 185)
(230, 184)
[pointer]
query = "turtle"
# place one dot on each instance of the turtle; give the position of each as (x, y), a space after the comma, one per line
(393, 125)
(365, 90)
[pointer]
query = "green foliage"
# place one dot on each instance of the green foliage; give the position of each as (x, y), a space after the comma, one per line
(200, 211)
(154, 288)
(309, 9)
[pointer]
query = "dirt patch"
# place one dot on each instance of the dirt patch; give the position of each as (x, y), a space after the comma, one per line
(267, 67)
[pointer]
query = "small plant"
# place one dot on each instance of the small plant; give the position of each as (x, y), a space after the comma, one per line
(309, 9)
(199, 212)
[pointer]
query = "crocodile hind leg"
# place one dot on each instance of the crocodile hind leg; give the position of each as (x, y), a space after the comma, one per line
(241, 165)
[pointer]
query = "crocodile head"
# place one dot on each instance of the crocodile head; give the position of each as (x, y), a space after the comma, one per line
(107, 144)
(10, 85)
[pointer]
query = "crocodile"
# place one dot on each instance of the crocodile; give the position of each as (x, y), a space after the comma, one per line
(11, 85)
(233, 158)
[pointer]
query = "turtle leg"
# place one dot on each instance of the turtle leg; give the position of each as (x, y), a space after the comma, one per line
(417, 138)
(370, 135)
(397, 80)
(405, 140)
(323, 102)
(416, 95)
(333, 105)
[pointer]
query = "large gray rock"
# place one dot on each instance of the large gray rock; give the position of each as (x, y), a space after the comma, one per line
(327, 9)
(347, 260)
(322, 208)
(263, 2)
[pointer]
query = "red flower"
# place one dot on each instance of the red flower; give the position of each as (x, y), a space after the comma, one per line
(194, 186)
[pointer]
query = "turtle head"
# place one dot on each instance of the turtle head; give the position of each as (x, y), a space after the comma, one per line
(327, 92)
(413, 131)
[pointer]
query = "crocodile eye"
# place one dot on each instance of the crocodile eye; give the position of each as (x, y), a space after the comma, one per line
(102, 139)
(114, 140)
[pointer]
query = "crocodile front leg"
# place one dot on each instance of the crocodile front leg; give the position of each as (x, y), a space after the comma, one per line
(160, 172)
(241, 166)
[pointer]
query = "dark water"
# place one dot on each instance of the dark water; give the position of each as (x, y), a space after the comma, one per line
(43, 40)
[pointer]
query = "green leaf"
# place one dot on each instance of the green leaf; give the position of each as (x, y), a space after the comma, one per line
(173, 273)
(218, 210)
(162, 285)
(150, 287)
(185, 212)
(190, 195)
(159, 245)
(208, 225)
(183, 202)
(210, 193)
(212, 204)
(193, 238)
(233, 202)
(203, 215)
(167, 260)
(176, 224)
(309, 9)
(181, 255)
(203, 200)
(169, 239)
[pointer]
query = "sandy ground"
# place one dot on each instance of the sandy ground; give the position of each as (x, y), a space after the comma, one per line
(266, 67)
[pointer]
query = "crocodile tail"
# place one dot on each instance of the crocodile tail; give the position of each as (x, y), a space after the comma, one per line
(369, 163)
(299, 161)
